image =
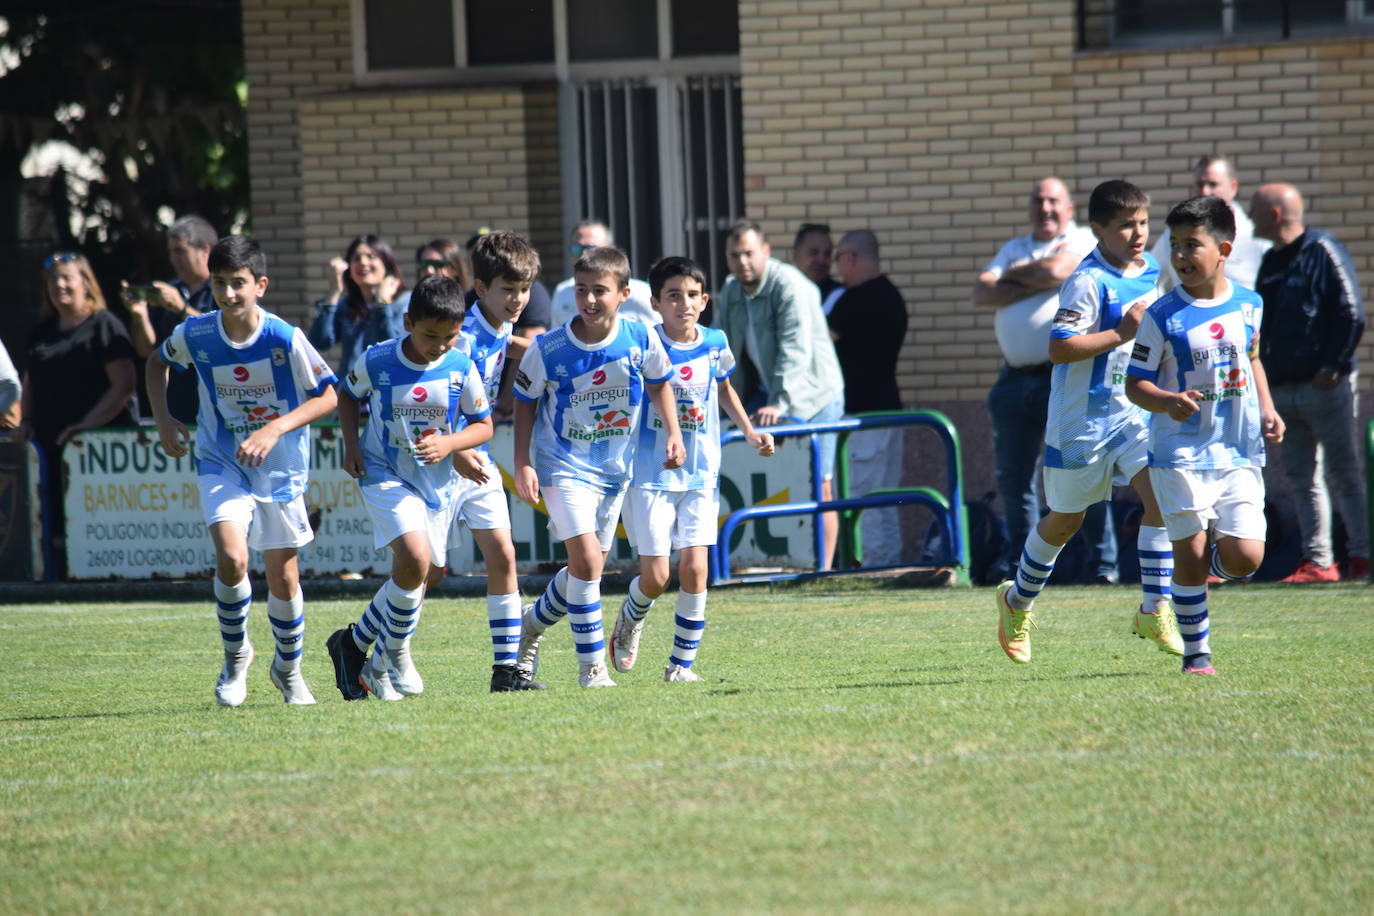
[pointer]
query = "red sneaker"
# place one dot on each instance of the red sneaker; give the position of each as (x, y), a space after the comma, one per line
(1357, 569)
(1309, 572)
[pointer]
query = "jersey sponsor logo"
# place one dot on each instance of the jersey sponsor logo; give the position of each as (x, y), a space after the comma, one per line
(609, 423)
(686, 373)
(599, 377)
(419, 394)
(240, 373)
(522, 380)
(1065, 316)
(171, 350)
(636, 357)
(1140, 352)
(1215, 342)
(278, 356)
(1215, 330)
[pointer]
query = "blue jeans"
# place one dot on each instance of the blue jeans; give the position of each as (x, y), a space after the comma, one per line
(1018, 404)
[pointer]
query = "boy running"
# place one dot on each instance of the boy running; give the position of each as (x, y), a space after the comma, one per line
(261, 384)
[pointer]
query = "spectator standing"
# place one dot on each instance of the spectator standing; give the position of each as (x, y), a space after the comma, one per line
(366, 304)
(868, 323)
(586, 235)
(1022, 283)
(771, 313)
(1313, 320)
(155, 311)
(1215, 176)
(442, 256)
(80, 373)
(812, 253)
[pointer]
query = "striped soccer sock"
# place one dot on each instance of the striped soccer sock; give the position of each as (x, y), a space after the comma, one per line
(1190, 607)
(232, 603)
(1033, 571)
(689, 622)
(373, 620)
(288, 628)
(552, 606)
(637, 604)
(1219, 570)
(503, 620)
(1156, 566)
(402, 613)
(584, 615)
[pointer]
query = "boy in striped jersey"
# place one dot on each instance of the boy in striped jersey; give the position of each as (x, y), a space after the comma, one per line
(579, 396)
(504, 268)
(1095, 438)
(261, 384)
(676, 509)
(1196, 368)
(417, 387)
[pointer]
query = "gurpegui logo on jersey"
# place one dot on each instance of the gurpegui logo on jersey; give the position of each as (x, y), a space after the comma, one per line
(246, 394)
(418, 410)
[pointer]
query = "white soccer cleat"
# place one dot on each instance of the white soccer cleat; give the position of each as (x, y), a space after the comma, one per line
(679, 674)
(232, 687)
(377, 678)
(594, 675)
(625, 638)
(527, 656)
(401, 670)
(292, 686)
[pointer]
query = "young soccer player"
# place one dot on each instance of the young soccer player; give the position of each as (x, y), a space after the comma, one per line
(261, 384)
(505, 267)
(1196, 368)
(1095, 438)
(676, 509)
(416, 387)
(579, 393)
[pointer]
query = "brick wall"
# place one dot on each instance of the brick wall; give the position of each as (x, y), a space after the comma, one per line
(930, 121)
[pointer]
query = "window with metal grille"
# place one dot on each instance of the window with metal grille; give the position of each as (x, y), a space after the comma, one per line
(1175, 23)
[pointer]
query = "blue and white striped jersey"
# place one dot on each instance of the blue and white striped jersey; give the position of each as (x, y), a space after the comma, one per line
(243, 387)
(1206, 345)
(1089, 414)
(408, 401)
(486, 347)
(589, 398)
(697, 368)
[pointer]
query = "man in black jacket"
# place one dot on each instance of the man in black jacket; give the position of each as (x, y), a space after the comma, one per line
(1313, 319)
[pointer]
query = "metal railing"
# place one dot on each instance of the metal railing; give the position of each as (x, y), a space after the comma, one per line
(947, 507)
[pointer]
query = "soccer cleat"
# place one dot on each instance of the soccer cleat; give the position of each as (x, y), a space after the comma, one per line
(1013, 626)
(625, 638)
(1309, 572)
(348, 662)
(232, 687)
(377, 679)
(527, 656)
(677, 673)
(1161, 627)
(402, 671)
(292, 686)
(594, 675)
(1198, 664)
(509, 678)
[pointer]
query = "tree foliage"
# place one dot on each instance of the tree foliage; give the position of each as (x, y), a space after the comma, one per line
(153, 90)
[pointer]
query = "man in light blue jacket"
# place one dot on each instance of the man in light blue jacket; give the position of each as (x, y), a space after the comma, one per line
(771, 313)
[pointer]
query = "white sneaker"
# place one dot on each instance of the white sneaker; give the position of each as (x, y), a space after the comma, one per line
(292, 686)
(594, 675)
(377, 679)
(527, 657)
(401, 670)
(678, 673)
(625, 638)
(232, 687)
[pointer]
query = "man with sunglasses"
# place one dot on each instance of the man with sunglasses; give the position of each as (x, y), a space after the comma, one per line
(586, 235)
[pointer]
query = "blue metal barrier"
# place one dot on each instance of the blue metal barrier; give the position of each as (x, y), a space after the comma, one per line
(948, 508)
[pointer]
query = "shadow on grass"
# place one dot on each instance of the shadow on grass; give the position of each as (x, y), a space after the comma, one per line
(126, 714)
(953, 682)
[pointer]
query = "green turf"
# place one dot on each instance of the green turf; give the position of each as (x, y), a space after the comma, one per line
(852, 750)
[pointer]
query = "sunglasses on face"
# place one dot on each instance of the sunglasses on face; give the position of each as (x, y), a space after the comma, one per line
(431, 264)
(61, 257)
(578, 250)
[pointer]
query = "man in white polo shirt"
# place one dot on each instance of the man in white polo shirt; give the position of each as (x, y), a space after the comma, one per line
(1216, 176)
(1022, 283)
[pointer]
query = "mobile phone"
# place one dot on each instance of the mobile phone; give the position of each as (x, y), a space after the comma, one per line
(146, 293)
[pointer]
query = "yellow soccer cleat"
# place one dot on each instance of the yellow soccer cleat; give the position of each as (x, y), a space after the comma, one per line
(1013, 626)
(1161, 626)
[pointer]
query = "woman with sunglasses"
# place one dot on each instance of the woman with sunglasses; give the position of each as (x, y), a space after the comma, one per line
(80, 372)
(367, 304)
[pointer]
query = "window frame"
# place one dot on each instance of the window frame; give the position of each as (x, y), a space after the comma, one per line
(1358, 22)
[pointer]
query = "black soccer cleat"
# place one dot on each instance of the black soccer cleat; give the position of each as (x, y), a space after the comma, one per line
(348, 662)
(509, 678)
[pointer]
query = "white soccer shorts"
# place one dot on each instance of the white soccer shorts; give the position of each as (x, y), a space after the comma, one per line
(1228, 500)
(269, 525)
(395, 510)
(481, 506)
(1070, 490)
(661, 521)
(575, 510)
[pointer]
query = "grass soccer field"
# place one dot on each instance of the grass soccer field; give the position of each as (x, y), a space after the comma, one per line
(852, 750)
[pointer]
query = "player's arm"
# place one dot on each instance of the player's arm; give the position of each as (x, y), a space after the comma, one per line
(438, 446)
(349, 413)
(1085, 346)
(254, 449)
(661, 396)
(170, 431)
(1270, 422)
(1180, 405)
(730, 402)
(526, 480)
